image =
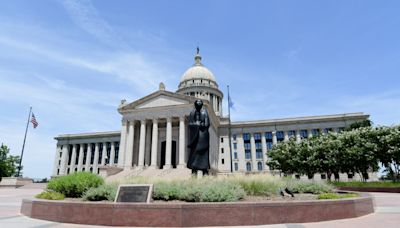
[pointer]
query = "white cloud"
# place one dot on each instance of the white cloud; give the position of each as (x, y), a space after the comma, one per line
(86, 16)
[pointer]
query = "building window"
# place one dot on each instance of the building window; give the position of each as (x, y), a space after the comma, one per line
(257, 136)
(280, 136)
(297, 176)
(350, 176)
(268, 136)
(259, 154)
(236, 167)
(222, 150)
(58, 171)
(234, 136)
(59, 162)
(323, 176)
(223, 161)
(248, 166)
(327, 130)
(247, 154)
(68, 171)
(235, 156)
(340, 129)
(259, 166)
(235, 146)
(303, 134)
(315, 132)
(222, 139)
(269, 145)
(292, 134)
(246, 136)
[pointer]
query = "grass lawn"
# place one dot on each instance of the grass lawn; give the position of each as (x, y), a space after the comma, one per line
(381, 184)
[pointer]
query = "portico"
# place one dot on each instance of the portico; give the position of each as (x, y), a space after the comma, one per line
(154, 131)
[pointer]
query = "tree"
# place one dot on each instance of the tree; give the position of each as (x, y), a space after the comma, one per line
(359, 124)
(8, 163)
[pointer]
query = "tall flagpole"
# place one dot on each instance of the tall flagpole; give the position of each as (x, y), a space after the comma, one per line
(23, 145)
(229, 129)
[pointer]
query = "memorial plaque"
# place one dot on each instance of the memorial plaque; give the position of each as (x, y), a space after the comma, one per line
(134, 193)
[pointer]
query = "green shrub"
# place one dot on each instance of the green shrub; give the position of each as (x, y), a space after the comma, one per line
(50, 195)
(332, 195)
(382, 184)
(102, 192)
(260, 185)
(204, 190)
(74, 185)
(299, 186)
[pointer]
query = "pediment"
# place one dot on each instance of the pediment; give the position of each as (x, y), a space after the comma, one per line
(158, 99)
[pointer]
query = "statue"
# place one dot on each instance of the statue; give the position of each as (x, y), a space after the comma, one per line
(199, 139)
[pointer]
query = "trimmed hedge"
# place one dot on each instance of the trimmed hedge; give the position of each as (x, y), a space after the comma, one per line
(331, 195)
(74, 185)
(373, 184)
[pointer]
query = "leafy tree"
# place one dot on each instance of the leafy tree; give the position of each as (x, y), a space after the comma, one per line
(359, 124)
(389, 150)
(8, 163)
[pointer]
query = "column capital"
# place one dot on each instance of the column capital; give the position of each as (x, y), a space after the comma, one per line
(143, 121)
(155, 120)
(169, 118)
(182, 118)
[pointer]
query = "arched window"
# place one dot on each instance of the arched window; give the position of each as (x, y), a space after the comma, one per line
(248, 166)
(259, 166)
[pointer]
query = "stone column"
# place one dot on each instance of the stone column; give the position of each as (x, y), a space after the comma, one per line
(253, 152)
(112, 153)
(88, 157)
(142, 142)
(309, 131)
(154, 144)
(182, 142)
(264, 150)
(298, 137)
(56, 159)
(122, 145)
(73, 158)
(168, 147)
(286, 136)
(147, 152)
(64, 159)
(129, 145)
(96, 158)
(104, 154)
(274, 139)
(80, 158)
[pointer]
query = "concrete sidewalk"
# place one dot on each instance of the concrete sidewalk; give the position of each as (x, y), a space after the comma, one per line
(387, 215)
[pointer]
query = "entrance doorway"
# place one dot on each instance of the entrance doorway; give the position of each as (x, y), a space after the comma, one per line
(173, 153)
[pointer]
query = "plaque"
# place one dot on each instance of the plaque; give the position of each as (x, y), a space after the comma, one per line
(134, 193)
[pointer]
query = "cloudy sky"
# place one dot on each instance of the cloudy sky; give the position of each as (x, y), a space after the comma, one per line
(73, 61)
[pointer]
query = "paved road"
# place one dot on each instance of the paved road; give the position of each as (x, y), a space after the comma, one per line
(387, 215)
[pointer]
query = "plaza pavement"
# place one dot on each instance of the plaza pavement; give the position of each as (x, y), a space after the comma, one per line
(387, 213)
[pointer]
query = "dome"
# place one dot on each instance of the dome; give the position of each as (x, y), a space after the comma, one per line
(197, 71)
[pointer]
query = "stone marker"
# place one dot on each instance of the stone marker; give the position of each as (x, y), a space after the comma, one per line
(134, 193)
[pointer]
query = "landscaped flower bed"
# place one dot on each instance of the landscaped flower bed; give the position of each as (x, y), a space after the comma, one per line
(90, 187)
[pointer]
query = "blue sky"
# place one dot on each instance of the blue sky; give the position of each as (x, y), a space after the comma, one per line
(73, 61)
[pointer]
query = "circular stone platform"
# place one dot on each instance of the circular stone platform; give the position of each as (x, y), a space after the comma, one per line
(196, 214)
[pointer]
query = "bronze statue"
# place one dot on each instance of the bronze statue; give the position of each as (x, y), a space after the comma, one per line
(199, 139)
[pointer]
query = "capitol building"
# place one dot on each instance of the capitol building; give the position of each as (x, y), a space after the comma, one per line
(154, 135)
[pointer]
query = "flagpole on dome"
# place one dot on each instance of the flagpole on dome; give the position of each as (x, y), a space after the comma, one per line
(23, 145)
(229, 129)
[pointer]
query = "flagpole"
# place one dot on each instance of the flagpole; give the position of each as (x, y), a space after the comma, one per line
(229, 129)
(23, 145)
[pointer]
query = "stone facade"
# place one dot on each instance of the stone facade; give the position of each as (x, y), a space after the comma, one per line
(154, 133)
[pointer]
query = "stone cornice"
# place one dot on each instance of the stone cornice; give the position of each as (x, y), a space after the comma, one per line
(299, 120)
(89, 135)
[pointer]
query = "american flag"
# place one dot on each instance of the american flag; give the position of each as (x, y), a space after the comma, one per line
(33, 121)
